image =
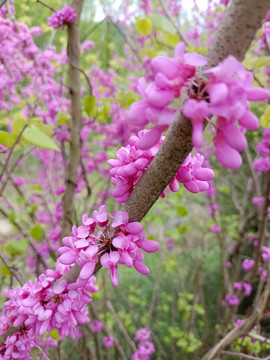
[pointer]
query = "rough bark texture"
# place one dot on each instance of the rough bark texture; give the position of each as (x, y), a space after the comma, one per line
(73, 51)
(237, 29)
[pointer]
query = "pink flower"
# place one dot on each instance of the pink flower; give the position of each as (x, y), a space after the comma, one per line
(258, 201)
(87, 45)
(142, 334)
(232, 300)
(108, 341)
(247, 264)
(265, 253)
(215, 229)
(19, 181)
(62, 17)
(196, 111)
(110, 261)
(96, 326)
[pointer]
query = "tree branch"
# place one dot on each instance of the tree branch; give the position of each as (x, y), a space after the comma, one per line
(73, 51)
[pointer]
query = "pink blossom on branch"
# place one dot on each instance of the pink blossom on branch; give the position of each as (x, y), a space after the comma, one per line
(62, 17)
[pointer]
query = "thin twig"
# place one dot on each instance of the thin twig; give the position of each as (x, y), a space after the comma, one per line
(46, 5)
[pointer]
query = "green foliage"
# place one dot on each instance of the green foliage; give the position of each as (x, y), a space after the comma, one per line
(163, 24)
(143, 26)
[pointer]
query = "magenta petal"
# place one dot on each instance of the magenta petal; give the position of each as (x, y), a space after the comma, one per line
(166, 66)
(123, 198)
(87, 270)
(117, 242)
(150, 139)
(114, 277)
(114, 162)
(60, 287)
(204, 174)
(130, 170)
(192, 186)
(141, 164)
(134, 228)
(44, 327)
(234, 137)
(202, 185)
(195, 59)
(81, 243)
(114, 257)
(218, 93)
(127, 259)
(104, 260)
(197, 134)
(29, 302)
(120, 190)
(228, 157)
(183, 175)
(68, 258)
(149, 246)
(249, 121)
(141, 268)
(136, 114)
(257, 94)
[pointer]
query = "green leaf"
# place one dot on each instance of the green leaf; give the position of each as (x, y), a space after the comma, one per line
(5, 270)
(162, 23)
(38, 138)
(19, 246)
(181, 210)
(18, 124)
(36, 232)
(89, 104)
(265, 118)
(144, 26)
(7, 139)
(55, 334)
(62, 119)
(262, 62)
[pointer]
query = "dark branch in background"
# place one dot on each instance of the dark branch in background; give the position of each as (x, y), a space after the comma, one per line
(73, 51)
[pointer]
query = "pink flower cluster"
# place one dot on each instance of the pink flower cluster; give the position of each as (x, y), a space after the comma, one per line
(232, 300)
(145, 347)
(262, 164)
(62, 17)
(93, 240)
(229, 88)
(170, 75)
(242, 286)
(265, 253)
(132, 162)
(225, 95)
(247, 264)
(42, 306)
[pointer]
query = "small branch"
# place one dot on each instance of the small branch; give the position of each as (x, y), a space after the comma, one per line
(46, 5)
(181, 37)
(121, 326)
(243, 356)
(73, 51)
(13, 271)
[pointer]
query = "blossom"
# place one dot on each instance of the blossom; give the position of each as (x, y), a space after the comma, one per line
(142, 334)
(108, 341)
(247, 264)
(258, 201)
(62, 17)
(232, 300)
(215, 229)
(96, 326)
(19, 181)
(265, 253)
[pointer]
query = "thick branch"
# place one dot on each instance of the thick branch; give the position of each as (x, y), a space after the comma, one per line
(237, 29)
(73, 51)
